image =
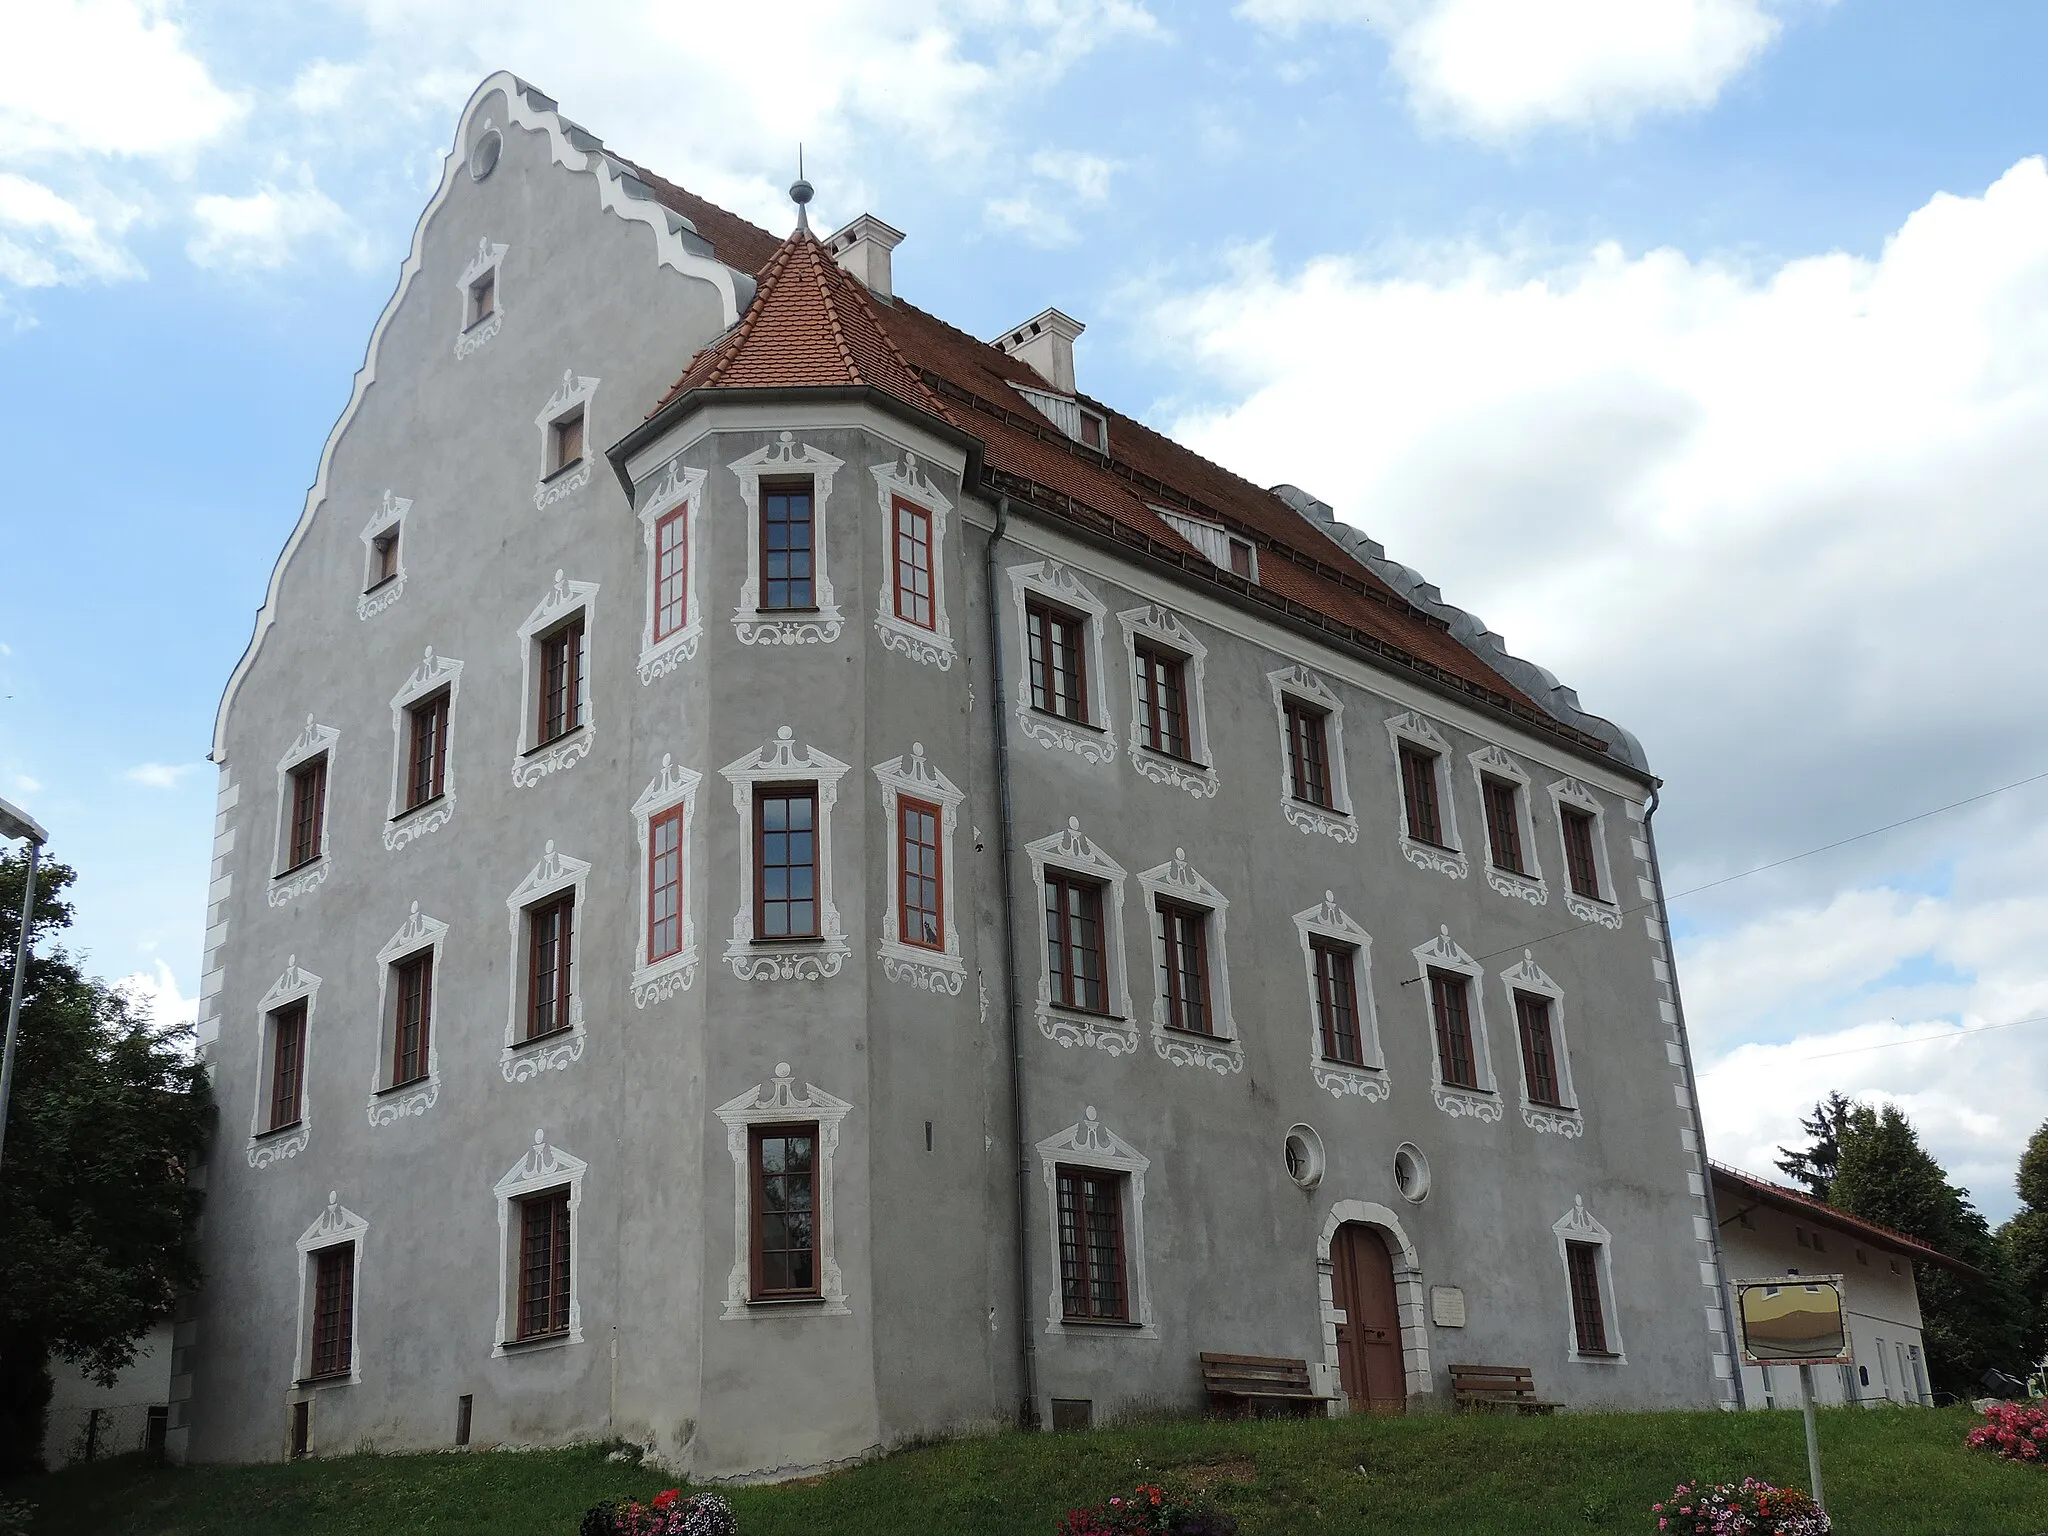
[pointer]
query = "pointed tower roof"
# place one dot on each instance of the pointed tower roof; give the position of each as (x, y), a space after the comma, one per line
(810, 325)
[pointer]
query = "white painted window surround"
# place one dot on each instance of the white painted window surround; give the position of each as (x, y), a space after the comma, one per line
(489, 260)
(821, 624)
(267, 1147)
(1088, 1143)
(1369, 1080)
(782, 761)
(551, 485)
(1072, 852)
(778, 1102)
(1442, 953)
(908, 482)
(388, 518)
(1491, 762)
(1334, 821)
(1562, 1120)
(391, 1102)
(1180, 884)
(1056, 584)
(1605, 912)
(433, 674)
(542, 1168)
(935, 970)
(330, 1229)
(534, 760)
(679, 487)
(1448, 858)
(290, 884)
(655, 981)
(1578, 1225)
(521, 1060)
(1164, 630)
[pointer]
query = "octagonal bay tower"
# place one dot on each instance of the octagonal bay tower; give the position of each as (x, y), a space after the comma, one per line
(787, 879)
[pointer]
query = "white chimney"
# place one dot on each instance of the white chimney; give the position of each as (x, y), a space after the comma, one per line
(863, 248)
(1046, 342)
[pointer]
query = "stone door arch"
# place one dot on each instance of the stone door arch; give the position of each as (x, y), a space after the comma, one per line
(1407, 1290)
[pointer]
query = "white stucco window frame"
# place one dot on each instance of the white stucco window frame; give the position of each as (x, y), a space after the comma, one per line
(389, 1101)
(1418, 730)
(554, 484)
(1578, 1225)
(389, 517)
(1605, 912)
(267, 1147)
(1088, 1143)
(1443, 953)
(542, 1168)
(934, 970)
(1492, 762)
(1560, 1120)
(655, 981)
(1340, 1079)
(1334, 821)
(533, 760)
(1409, 1296)
(1180, 884)
(288, 884)
(404, 825)
(777, 1102)
(681, 488)
(909, 483)
(782, 761)
(1091, 740)
(1070, 851)
(521, 1060)
(489, 260)
(1163, 629)
(330, 1229)
(820, 624)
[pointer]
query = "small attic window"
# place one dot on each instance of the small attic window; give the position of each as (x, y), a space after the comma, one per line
(1094, 432)
(1225, 549)
(1088, 428)
(1244, 560)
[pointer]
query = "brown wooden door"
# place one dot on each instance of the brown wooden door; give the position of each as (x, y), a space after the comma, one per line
(1369, 1339)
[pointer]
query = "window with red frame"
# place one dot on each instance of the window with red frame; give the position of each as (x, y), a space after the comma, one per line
(561, 681)
(913, 565)
(427, 751)
(1578, 852)
(334, 1284)
(550, 946)
(1163, 702)
(784, 1161)
(1504, 825)
(1337, 1000)
(413, 1021)
(664, 884)
(922, 899)
(544, 1277)
(1091, 1223)
(1418, 795)
(1184, 958)
(1450, 999)
(309, 811)
(1539, 1048)
(1058, 658)
(1073, 938)
(672, 572)
(287, 1065)
(1308, 753)
(1589, 1318)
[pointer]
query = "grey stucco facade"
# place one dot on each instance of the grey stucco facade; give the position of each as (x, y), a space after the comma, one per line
(641, 1107)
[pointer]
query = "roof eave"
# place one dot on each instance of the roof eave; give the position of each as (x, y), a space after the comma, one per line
(1762, 1192)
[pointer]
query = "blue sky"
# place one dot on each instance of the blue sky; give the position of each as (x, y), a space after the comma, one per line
(1700, 345)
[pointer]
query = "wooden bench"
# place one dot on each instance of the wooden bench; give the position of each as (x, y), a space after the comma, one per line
(1253, 1382)
(1489, 1387)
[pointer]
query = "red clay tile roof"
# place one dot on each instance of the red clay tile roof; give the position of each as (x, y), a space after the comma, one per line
(1764, 1192)
(811, 323)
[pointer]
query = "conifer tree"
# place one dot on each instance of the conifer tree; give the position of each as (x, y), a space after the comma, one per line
(2024, 1240)
(1815, 1167)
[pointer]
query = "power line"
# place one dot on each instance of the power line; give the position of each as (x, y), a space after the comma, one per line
(1954, 1034)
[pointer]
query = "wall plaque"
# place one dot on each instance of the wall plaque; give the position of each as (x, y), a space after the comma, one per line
(1447, 1306)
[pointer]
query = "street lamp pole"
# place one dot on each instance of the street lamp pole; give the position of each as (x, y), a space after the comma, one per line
(17, 823)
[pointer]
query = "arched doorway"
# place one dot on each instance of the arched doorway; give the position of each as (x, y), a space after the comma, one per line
(1369, 1362)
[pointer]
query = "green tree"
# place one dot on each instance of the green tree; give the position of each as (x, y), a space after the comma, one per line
(2024, 1240)
(109, 1113)
(1816, 1166)
(1969, 1323)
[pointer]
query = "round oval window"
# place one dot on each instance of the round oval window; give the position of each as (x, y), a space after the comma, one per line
(1304, 1152)
(483, 158)
(1411, 1172)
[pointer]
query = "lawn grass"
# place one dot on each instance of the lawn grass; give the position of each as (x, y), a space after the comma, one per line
(1889, 1473)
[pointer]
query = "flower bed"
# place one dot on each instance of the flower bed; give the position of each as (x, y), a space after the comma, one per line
(2017, 1431)
(669, 1513)
(1751, 1507)
(1148, 1511)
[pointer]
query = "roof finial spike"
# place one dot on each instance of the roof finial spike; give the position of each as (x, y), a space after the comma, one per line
(800, 193)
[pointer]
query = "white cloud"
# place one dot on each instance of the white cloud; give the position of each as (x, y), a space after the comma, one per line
(22, 784)
(1028, 216)
(107, 77)
(1086, 176)
(157, 992)
(160, 775)
(267, 228)
(1783, 521)
(46, 240)
(1496, 69)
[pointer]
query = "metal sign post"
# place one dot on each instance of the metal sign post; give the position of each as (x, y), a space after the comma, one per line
(1796, 1320)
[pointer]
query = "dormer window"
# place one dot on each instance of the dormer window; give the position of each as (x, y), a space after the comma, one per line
(565, 441)
(1244, 560)
(1094, 431)
(1226, 550)
(1087, 427)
